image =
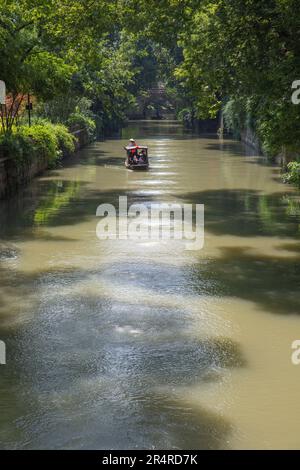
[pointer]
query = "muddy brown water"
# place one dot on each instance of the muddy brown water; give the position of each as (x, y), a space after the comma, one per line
(123, 344)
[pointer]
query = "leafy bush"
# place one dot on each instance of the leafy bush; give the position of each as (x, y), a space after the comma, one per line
(293, 173)
(15, 146)
(43, 140)
(80, 121)
(65, 140)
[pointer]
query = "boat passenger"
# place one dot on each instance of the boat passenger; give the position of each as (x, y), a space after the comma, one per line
(143, 155)
(132, 143)
(136, 158)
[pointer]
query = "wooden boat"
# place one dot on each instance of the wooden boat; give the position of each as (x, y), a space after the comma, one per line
(137, 157)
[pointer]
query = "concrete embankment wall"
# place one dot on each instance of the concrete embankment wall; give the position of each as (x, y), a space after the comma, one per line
(251, 140)
(14, 175)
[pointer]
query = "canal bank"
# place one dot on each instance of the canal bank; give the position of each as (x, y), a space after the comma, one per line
(15, 173)
(282, 158)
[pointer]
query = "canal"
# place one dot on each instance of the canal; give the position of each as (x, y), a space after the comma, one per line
(122, 344)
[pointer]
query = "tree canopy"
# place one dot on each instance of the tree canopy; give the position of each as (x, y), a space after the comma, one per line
(238, 55)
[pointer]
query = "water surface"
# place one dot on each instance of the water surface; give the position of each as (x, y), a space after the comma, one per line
(121, 344)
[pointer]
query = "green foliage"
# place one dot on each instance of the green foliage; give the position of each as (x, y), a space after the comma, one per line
(243, 54)
(43, 42)
(43, 141)
(108, 83)
(29, 60)
(59, 109)
(293, 173)
(88, 60)
(234, 116)
(58, 51)
(16, 146)
(65, 140)
(159, 20)
(65, 52)
(186, 116)
(78, 121)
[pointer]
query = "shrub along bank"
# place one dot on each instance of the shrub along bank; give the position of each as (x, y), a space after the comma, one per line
(46, 141)
(28, 151)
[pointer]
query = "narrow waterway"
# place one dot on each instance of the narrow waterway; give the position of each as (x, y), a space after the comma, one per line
(124, 344)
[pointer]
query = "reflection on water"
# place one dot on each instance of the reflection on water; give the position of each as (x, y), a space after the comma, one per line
(145, 345)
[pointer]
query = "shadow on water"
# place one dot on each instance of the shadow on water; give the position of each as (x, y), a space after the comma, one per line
(95, 156)
(248, 213)
(234, 212)
(56, 203)
(186, 428)
(270, 282)
(230, 147)
(292, 247)
(122, 365)
(111, 161)
(163, 130)
(44, 203)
